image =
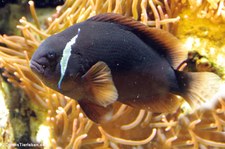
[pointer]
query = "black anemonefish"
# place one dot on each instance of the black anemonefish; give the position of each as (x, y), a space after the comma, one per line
(112, 58)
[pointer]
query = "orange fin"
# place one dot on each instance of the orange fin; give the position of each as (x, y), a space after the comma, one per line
(198, 87)
(164, 104)
(96, 113)
(169, 103)
(99, 85)
(165, 43)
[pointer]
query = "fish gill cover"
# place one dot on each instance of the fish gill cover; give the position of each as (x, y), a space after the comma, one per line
(65, 122)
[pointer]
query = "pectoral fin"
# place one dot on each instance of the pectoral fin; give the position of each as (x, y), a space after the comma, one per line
(95, 112)
(99, 85)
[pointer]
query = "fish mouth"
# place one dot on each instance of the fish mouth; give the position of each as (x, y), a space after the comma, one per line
(36, 68)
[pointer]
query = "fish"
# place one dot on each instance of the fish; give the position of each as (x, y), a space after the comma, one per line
(112, 58)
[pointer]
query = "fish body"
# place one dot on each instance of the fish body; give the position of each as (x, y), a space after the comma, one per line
(133, 64)
(115, 58)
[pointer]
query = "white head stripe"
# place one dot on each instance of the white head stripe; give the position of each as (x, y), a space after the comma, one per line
(65, 57)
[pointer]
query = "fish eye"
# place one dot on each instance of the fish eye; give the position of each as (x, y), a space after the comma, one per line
(43, 66)
(51, 55)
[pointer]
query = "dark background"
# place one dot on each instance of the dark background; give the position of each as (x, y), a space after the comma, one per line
(38, 3)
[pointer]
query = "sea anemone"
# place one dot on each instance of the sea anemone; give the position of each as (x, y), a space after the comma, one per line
(213, 10)
(67, 125)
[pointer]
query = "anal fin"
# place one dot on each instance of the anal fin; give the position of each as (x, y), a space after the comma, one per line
(95, 112)
(160, 104)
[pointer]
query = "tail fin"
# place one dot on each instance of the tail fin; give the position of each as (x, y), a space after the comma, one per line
(198, 87)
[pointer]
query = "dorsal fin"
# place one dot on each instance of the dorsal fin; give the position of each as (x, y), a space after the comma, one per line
(163, 42)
